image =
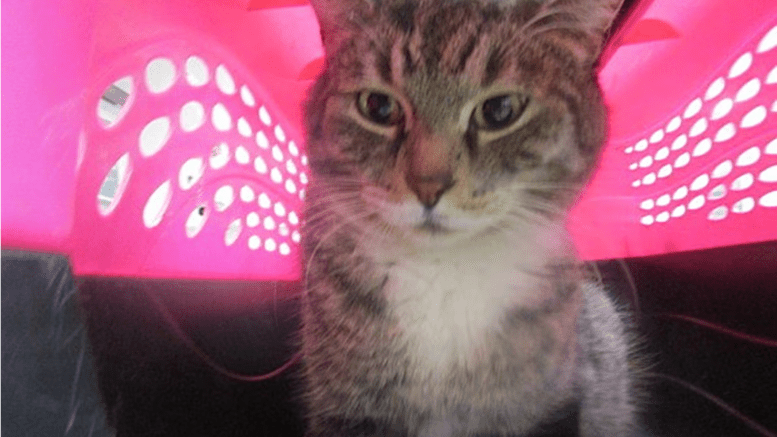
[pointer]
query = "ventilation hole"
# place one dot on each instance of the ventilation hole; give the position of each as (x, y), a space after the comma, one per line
(290, 167)
(628, 150)
(115, 101)
(771, 148)
(769, 41)
(244, 128)
(293, 219)
(715, 88)
(649, 179)
(633, 166)
(674, 124)
(647, 220)
(663, 200)
(768, 200)
(679, 142)
(224, 80)
(665, 171)
(224, 197)
(260, 166)
(293, 149)
(748, 157)
(157, 204)
(717, 193)
(219, 156)
(264, 201)
(743, 206)
(270, 245)
(192, 116)
(254, 242)
(113, 185)
(279, 210)
(303, 178)
(693, 108)
(700, 182)
(247, 96)
(290, 186)
(295, 237)
(771, 78)
(722, 108)
(277, 154)
(680, 193)
(657, 136)
(264, 116)
(748, 90)
(154, 136)
(647, 205)
(703, 147)
(191, 172)
(252, 220)
(663, 217)
(768, 175)
(741, 65)
(696, 203)
(233, 231)
(160, 75)
(646, 162)
(279, 134)
(304, 160)
(283, 229)
(698, 128)
(754, 117)
(262, 141)
(220, 118)
(301, 194)
(726, 133)
(269, 223)
(679, 211)
(284, 249)
(196, 221)
(197, 73)
(275, 175)
(636, 183)
(662, 153)
(718, 213)
(742, 182)
(723, 169)
(641, 145)
(242, 156)
(247, 194)
(682, 160)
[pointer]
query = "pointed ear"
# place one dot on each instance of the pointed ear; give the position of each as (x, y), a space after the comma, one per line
(338, 18)
(598, 16)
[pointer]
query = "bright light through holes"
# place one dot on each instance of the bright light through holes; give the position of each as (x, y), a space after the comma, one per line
(115, 101)
(113, 185)
(197, 73)
(157, 205)
(224, 197)
(160, 75)
(232, 232)
(196, 221)
(190, 173)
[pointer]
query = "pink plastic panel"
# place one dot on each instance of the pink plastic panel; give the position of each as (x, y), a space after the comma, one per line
(692, 157)
(183, 184)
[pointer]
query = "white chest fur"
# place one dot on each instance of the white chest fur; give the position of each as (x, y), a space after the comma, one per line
(447, 301)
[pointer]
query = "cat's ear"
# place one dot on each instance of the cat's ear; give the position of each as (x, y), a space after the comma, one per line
(338, 18)
(595, 18)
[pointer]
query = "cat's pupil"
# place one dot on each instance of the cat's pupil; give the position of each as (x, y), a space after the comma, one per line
(498, 111)
(379, 108)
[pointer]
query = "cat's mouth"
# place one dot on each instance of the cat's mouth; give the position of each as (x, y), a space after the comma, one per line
(431, 223)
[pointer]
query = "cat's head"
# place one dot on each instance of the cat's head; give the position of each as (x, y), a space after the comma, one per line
(442, 119)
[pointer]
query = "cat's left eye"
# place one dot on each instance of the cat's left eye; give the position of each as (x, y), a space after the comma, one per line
(500, 111)
(379, 108)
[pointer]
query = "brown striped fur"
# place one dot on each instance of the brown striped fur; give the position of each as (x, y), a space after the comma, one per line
(443, 296)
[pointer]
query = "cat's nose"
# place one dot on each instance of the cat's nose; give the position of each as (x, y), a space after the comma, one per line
(429, 189)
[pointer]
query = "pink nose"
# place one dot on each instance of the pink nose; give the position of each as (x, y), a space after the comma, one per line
(429, 189)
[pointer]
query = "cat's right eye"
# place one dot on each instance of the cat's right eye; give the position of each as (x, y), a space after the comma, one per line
(379, 108)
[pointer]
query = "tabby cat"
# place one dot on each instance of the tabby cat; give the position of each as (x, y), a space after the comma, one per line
(447, 140)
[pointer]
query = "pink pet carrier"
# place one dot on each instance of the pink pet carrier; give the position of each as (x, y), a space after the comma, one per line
(163, 139)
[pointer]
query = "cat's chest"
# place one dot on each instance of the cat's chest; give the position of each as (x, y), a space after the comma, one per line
(447, 304)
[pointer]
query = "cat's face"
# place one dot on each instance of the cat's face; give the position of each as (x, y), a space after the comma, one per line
(441, 120)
